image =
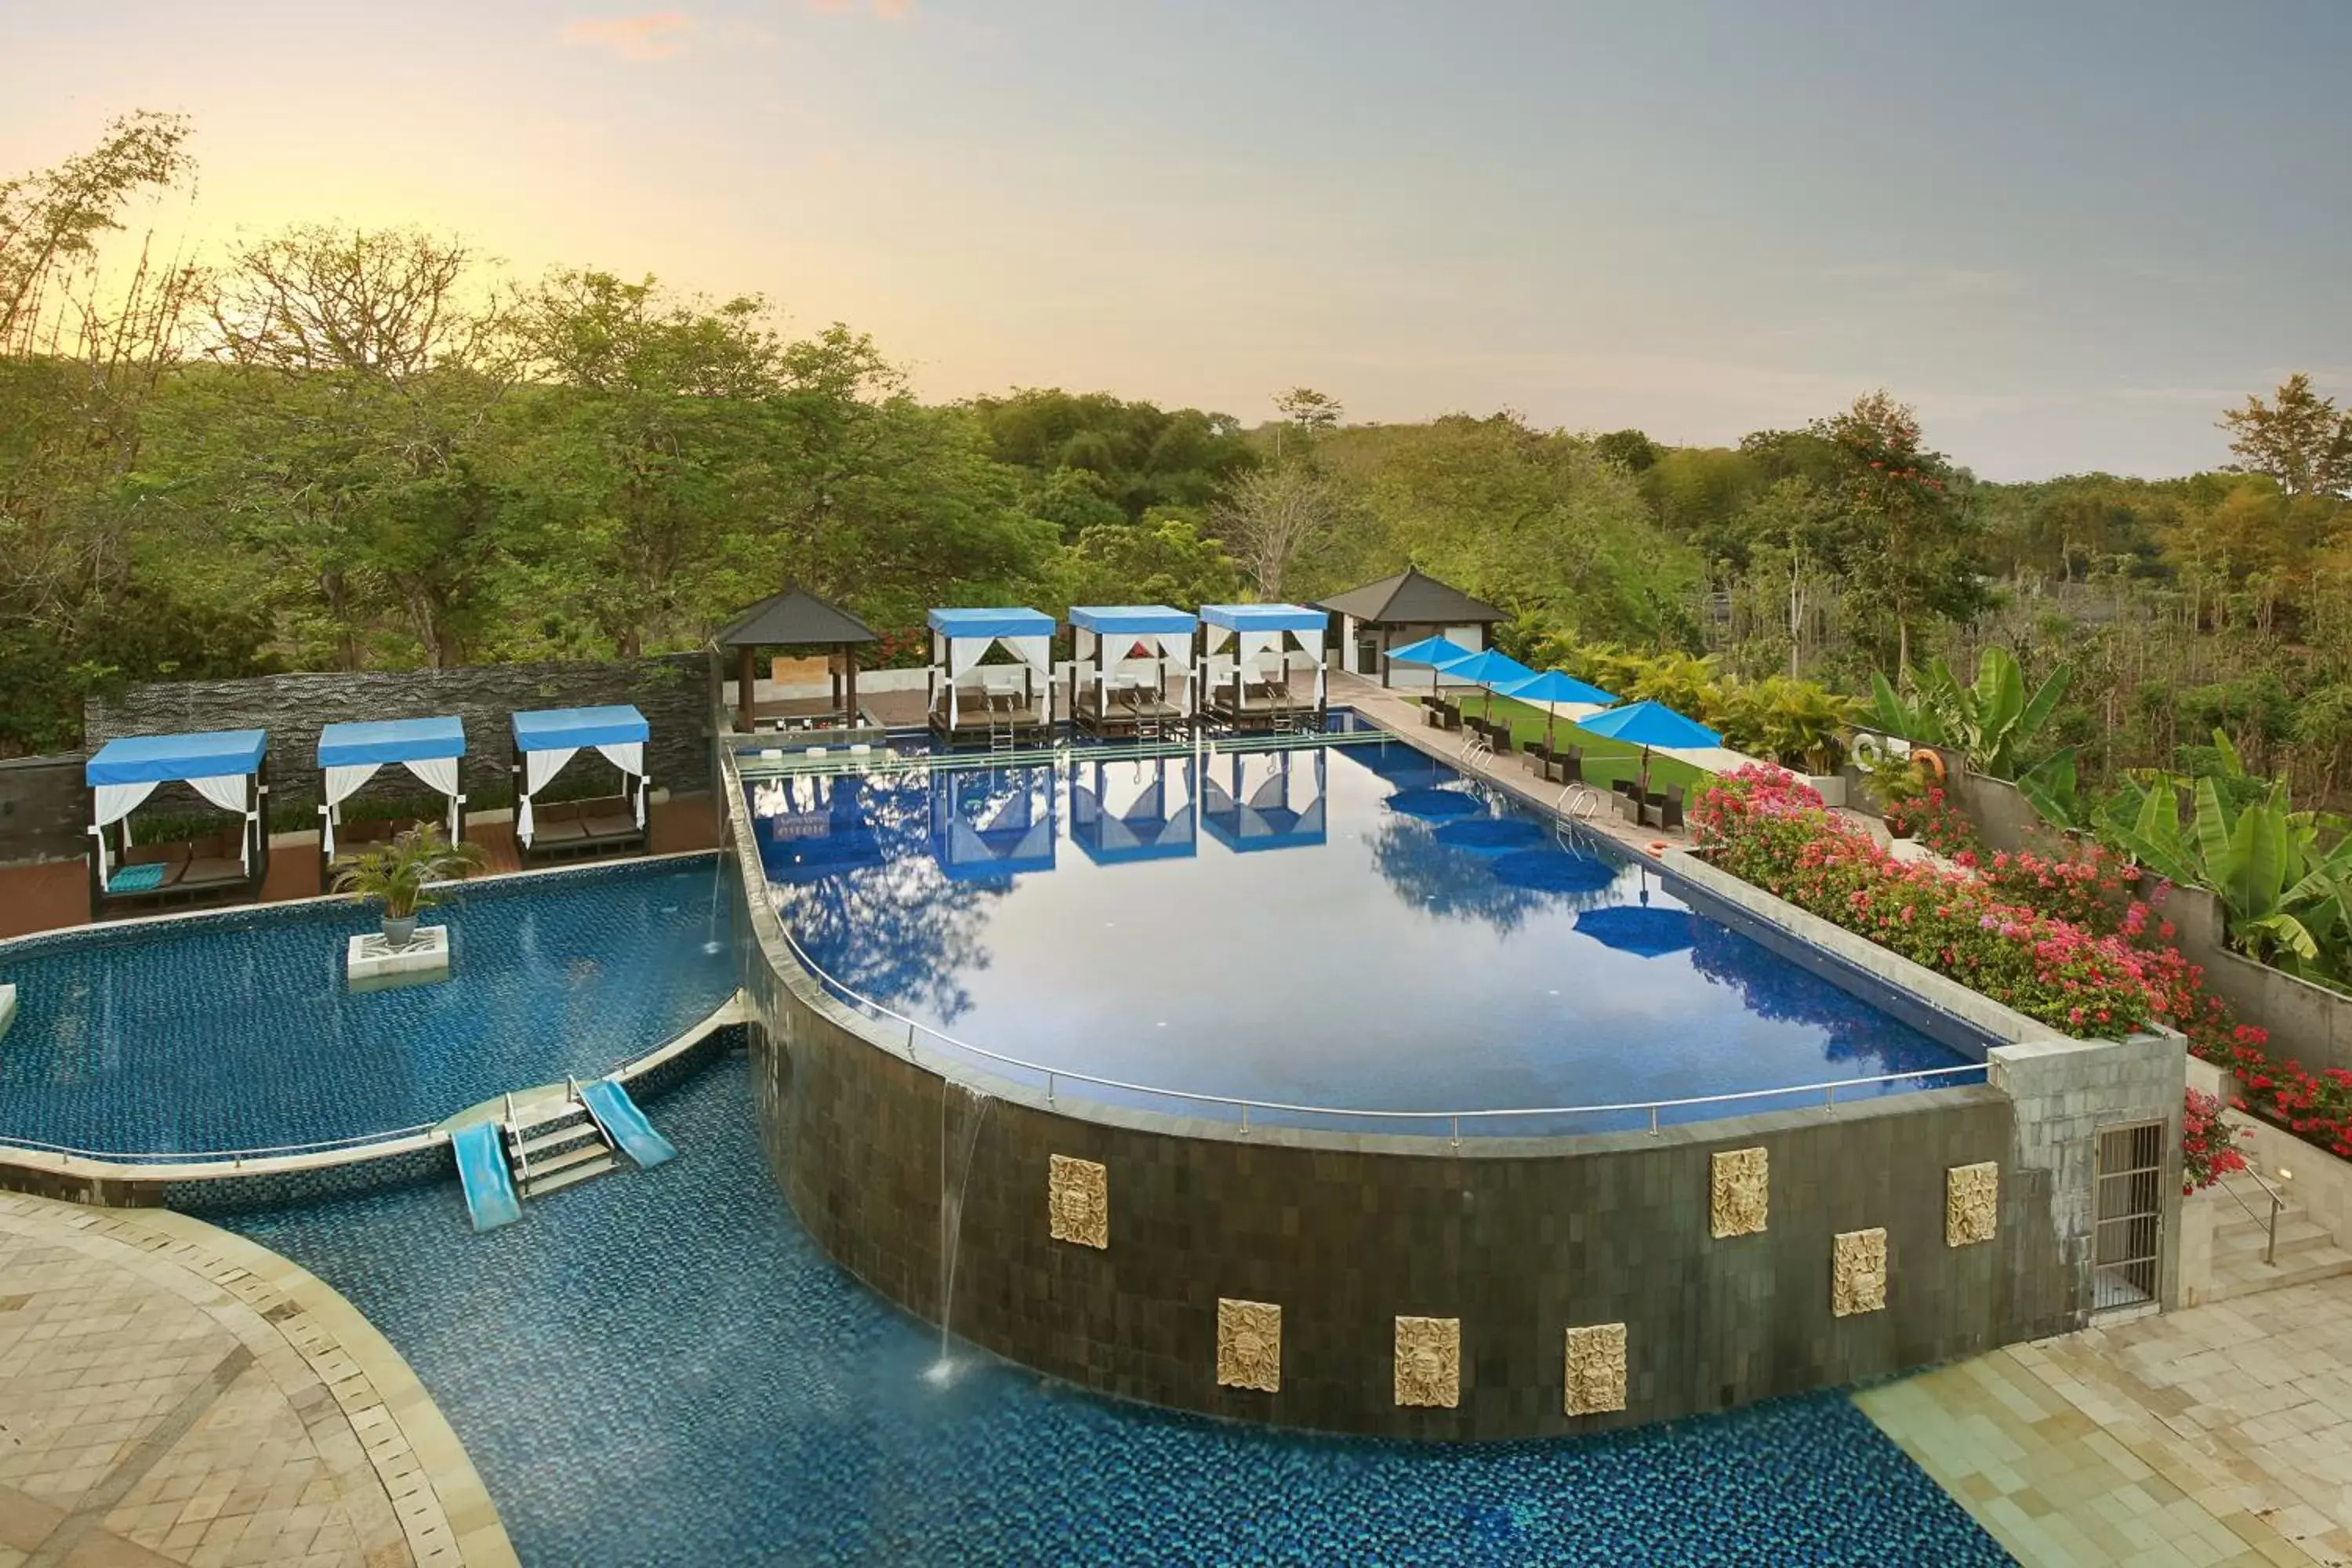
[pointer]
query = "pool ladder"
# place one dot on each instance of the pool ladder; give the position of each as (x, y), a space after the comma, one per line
(1574, 808)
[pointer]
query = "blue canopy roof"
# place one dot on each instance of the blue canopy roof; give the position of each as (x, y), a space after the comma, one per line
(1649, 724)
(1438, 651)
(1492, 668)
(1552, 686)
(390, 740)
(997, 623)
(1132, 620)
(159, 759)
(566, 729)
(1265, 618)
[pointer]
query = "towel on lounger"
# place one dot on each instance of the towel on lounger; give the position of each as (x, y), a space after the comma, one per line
(136, 879)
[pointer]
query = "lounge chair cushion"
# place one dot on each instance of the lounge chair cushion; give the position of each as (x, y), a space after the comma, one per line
(611, 824)
(561, 830)
(213, 869)
(143, 877)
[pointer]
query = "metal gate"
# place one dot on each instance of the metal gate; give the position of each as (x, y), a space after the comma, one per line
(2130, 1186)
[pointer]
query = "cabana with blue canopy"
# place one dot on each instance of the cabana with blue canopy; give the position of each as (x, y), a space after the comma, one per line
(349, 755)
(994, 703)
(1134, 809)
(227, 768)
(1265, 800)
(1251, 688)
(1119, 677)
(543, 742)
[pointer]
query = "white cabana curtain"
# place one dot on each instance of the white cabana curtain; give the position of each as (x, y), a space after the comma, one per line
(1035, 652)
(344, 781)
(538, 768)
(233, 792)
(440, 774)
(629, 756)
(965, 652)
(1257, 643)
(111, 804)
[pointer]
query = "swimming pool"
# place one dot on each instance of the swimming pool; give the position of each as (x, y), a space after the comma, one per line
(237, 1032)
(1354, 926)
(718, 1392)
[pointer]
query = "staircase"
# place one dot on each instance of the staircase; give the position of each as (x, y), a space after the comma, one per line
(2306, 1250)
(555, 1145)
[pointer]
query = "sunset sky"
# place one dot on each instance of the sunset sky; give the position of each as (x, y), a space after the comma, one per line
(2069, 233)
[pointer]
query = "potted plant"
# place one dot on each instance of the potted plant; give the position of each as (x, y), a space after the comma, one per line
(401, 875)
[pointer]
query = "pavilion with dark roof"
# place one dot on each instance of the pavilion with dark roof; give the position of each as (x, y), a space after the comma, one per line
(1403, 609)
(794, 618)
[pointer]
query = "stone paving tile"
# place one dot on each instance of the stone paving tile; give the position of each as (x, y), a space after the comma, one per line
(2222, 1434)
(170, 1394)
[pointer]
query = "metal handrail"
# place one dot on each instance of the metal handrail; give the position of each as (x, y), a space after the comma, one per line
(1055, 1076)
(207, 1156)
(2270, 1245)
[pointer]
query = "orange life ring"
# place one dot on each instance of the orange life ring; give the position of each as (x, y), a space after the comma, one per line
(1929, 759)
(1657, 846)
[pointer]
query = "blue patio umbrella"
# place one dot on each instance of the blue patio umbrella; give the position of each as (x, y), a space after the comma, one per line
(1490, 835)
(1554, 686)
(1490, 670)
(1435, 652)
(1649, 724)
(1434, 805)
(1553, 871)
(1639, 928)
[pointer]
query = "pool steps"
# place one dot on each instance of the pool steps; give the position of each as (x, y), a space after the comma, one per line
(555, 1138)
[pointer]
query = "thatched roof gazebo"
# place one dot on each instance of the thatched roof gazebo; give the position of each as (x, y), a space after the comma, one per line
(795, 619)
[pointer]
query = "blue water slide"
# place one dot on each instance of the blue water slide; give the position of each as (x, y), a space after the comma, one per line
(482, 1170)
(623, 1123)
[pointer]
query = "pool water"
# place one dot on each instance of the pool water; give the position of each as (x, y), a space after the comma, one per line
(662, 1368)
(1354, 926)
(238, 1032)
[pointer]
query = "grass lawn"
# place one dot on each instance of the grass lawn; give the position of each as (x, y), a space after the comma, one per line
(1605, 761)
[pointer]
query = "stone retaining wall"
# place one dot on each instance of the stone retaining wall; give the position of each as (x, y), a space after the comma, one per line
(1124, 1251)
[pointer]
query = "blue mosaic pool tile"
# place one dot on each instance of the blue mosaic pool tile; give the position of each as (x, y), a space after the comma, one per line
(237, 1030)
(661, 1368)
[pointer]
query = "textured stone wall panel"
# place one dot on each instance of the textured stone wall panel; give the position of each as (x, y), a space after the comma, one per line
(44, 807)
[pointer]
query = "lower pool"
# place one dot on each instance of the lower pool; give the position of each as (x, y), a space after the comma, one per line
(1355, 926)
(238, 1031)
(662, 1368)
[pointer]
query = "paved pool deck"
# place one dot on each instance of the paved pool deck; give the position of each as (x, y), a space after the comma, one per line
(53, 895)
(171, 1394)
(2218, 1434)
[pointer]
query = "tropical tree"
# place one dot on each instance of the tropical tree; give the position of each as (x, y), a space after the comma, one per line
(2298, 439)
(1993, 724)
(2284, 876)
